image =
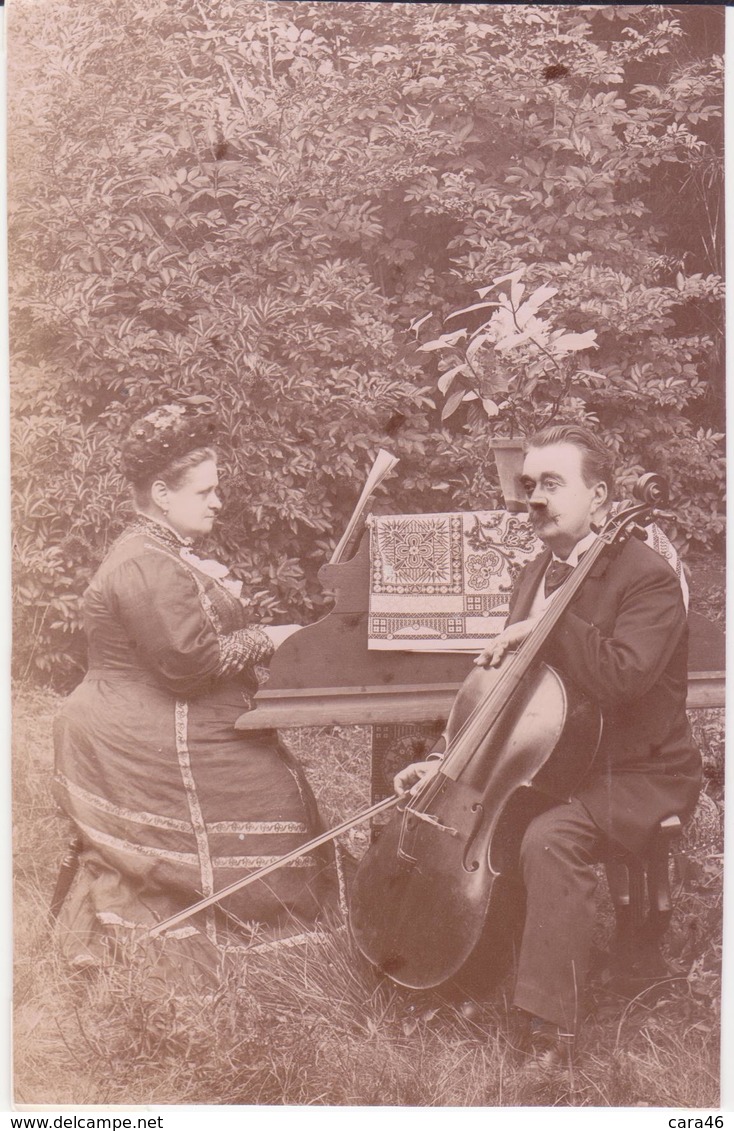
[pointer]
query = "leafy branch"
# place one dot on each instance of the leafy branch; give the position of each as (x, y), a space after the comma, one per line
(514, 323)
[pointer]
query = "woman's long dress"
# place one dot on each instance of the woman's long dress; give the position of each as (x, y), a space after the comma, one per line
(172, 803)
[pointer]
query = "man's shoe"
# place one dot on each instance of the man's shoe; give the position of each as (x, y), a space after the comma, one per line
(549, 1047)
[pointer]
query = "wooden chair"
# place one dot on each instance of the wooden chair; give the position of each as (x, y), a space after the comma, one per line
(640, 890)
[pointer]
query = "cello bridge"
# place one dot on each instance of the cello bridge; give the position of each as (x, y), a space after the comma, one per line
(406, 832)
(429, 817)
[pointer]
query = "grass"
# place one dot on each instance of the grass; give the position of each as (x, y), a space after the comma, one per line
(316, 1025)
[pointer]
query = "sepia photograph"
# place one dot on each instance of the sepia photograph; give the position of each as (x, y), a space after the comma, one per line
(367, 438)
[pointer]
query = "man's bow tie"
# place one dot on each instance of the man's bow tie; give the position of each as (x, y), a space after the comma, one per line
(555, 575)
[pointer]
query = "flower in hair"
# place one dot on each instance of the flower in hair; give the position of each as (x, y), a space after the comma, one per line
(167, 433)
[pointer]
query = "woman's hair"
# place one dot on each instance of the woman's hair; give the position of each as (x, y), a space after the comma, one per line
(597, 461)
(166, 444)
(173, 474)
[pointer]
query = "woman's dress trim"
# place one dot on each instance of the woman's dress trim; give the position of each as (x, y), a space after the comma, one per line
(197, 819)
(241, 828)
(105, 806)
(98, 837)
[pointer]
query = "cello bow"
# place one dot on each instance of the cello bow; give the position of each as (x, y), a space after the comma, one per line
(323, 838)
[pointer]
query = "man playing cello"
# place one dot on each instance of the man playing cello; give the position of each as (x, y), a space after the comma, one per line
(623, 641)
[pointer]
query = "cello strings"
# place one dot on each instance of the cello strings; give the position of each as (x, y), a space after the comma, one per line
(476, 720)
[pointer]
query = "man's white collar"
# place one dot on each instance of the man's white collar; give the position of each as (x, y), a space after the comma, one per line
(579, 549)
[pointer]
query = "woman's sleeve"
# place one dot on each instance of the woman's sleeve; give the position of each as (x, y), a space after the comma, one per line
(159, 606)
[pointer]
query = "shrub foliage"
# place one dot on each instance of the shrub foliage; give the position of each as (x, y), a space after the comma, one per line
(257, 201)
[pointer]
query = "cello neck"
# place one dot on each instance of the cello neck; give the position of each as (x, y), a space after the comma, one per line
(468, 739)
(525, 656)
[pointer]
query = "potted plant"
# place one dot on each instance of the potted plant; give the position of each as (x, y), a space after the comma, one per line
(518, 368)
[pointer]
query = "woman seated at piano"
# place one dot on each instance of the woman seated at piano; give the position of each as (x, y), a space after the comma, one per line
(171, 803)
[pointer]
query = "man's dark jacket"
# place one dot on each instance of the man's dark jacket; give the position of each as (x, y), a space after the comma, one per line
(624, 642)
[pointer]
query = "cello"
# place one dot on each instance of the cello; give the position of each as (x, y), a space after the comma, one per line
(519, 737)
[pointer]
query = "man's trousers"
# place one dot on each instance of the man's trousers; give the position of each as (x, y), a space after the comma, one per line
(557, 858)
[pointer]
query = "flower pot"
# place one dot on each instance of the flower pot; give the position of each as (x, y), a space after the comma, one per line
(509, 454)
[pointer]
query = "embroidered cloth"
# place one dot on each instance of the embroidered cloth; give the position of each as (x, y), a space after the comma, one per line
(442, 582)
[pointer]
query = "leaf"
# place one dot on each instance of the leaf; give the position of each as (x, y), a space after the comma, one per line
(534, 302)
(468, 309)
(513, 277)
(499, 381)
(569, 343)
(443, 342)
(444, 381)
(511, 341)
(517, 290)
(417, 323)
(476, 343)
(453, 403)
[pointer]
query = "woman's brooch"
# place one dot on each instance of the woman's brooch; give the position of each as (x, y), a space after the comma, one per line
(212, 569)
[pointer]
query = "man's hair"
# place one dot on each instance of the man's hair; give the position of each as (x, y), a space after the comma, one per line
(597, 462)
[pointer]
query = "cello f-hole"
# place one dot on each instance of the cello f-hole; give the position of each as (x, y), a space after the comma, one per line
(467, 864)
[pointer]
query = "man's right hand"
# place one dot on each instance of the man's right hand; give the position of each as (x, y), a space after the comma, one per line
(413, 776)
